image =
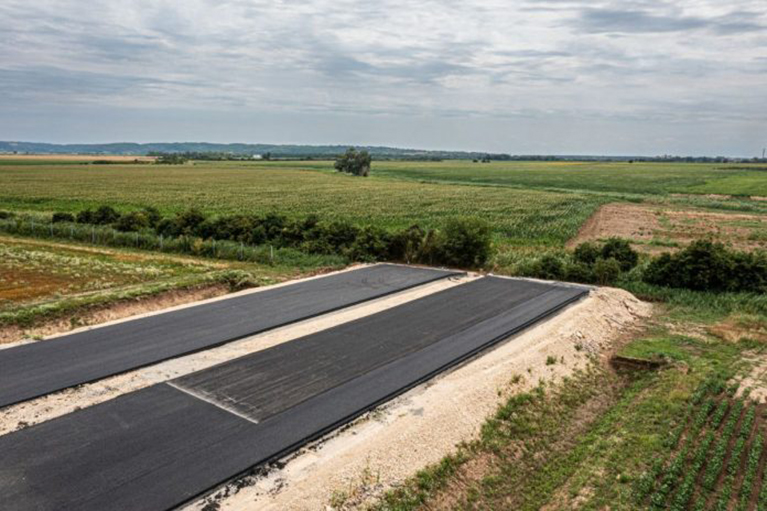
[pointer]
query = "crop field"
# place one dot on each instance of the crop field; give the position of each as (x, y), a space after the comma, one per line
(715, 458)
(608, 177)
(527, 203)
(521, 217)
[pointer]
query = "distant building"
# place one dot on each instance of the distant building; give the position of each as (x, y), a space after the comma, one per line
(257, 157)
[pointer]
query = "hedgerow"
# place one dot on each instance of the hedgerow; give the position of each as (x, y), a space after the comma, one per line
(462, 242)
(709, 266)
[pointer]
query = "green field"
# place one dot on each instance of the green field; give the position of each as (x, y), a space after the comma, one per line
(605, 177)
(527, 203)
(526, 217)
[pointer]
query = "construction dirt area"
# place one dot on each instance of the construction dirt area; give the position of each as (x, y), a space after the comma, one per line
(351, 466)
(656, 228)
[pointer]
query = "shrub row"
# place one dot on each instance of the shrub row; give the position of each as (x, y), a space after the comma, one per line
(707, 266)
(589, 263)
(464, 243)
(701, 266)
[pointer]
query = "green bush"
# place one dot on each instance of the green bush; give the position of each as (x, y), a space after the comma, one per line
(587, 253)
(464, 242)
(371, 244)
(406, 244)
(5, 215)
(548, 267)
(709, 266)
(578, 271)
(621, 251)
(85, 217)
(153, 215)
(133, 221)
(105, 215)
(184, 224)
(606, 271)
(62, 217)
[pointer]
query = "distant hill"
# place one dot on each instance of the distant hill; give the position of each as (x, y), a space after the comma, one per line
(276, 150)
(198, 149)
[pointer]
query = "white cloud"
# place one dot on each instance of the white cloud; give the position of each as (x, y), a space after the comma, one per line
(676, 63)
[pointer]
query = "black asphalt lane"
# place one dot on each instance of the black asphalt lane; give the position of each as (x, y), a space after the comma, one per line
(162, 446)
(36, 369)
(267, 382)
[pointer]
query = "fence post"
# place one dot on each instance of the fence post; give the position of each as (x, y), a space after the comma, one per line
(271, 254)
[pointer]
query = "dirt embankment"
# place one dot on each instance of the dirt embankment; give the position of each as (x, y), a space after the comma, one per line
(656, 228)
(110, 312)
(353, 467)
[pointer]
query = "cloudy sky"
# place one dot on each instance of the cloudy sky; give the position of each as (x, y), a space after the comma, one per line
(556, 77)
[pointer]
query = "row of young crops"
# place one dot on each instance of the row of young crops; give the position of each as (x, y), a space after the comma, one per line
(715, 456)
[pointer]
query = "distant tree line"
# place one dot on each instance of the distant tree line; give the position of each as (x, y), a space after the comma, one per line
(211, 156)
(446, 155)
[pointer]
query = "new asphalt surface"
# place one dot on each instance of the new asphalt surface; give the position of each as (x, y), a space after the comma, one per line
(36, 369)
(162, 446)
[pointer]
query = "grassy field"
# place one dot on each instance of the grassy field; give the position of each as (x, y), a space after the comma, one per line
(606, 177)
(685, 437)
(527, 203)
(33, 271)
(43, 280)
(522, 217)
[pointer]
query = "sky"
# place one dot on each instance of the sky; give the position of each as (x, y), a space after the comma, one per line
(608, 77)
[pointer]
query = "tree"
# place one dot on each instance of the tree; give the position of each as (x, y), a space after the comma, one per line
(171, 159)
(354, 162)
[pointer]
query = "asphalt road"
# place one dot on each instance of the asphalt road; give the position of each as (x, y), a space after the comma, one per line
(162, 446)
(36, 369)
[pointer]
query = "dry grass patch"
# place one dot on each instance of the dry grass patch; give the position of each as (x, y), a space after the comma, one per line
(655, 228)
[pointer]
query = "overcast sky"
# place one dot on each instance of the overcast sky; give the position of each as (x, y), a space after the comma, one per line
(556, 77)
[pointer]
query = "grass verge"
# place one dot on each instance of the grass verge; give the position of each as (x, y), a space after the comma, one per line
(590, 441)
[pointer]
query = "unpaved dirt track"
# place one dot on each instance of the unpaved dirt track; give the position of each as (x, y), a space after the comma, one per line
(161, 446)
(36, 369)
